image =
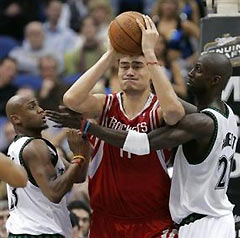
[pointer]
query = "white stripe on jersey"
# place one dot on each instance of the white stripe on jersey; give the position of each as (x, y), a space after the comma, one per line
(107, 108)
(96, 160)
(153, 119)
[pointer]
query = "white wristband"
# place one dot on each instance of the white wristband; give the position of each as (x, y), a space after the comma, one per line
(136, 143)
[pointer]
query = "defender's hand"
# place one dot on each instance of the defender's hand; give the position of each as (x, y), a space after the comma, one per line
(65, 118)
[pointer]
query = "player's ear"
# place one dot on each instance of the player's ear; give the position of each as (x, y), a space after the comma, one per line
(15, 119)
(216, 79)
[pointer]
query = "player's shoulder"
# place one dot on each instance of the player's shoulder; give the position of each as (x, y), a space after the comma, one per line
(35, 146)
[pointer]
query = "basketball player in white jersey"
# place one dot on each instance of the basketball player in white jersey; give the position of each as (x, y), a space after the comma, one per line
(12, 173)
(122, 207)
(40, 209)
(207, 142)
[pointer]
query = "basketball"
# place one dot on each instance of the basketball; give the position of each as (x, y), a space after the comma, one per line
(125, 35)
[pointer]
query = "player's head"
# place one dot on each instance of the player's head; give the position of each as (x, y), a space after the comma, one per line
(210, 74)
(133, 74)
(25, 114)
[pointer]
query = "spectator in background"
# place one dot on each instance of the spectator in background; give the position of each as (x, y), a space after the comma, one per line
(178, 32)
(83, 212)
(8, 70)
(102, 14)
(9, 135)
(58, 37)
(133, 5)
(34, 47)
(52, 90)
(78, 10)
(16, 14)
(189, 11)
(89, 50)
(172, 68)
(75, 225)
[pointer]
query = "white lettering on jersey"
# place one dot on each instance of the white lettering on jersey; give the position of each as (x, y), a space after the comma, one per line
(117, 125)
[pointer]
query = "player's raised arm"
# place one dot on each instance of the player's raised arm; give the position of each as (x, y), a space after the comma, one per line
(78, 97)
(12, 173)
(172, 109)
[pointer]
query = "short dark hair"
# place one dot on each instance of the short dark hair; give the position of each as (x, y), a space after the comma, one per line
(78, 204)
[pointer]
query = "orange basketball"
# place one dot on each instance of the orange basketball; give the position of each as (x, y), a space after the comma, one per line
(125, 35)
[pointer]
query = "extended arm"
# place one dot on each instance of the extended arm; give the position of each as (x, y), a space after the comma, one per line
(12, 173)
(79, 98)
(192, 126)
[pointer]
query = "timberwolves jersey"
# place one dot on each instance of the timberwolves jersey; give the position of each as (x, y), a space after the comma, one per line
(201, 188)
(122, 184)
(30, 211)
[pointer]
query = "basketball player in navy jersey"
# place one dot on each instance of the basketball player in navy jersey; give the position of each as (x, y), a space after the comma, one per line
(123, 207)
(40, 208)
(207, 142)
(12, 173)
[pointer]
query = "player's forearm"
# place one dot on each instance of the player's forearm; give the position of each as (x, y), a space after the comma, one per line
(110, 136)
(62, 184)
(19, 178)
(172, 109)
(11, 173)
(82, 174)
(80, 90)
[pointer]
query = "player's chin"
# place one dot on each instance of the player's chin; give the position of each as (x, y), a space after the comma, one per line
(44, 126)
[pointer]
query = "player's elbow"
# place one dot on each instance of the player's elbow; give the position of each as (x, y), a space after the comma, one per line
(69, 100)
(54, 198)
(173, 115)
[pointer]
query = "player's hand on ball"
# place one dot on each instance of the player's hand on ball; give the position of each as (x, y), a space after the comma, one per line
(149, 35)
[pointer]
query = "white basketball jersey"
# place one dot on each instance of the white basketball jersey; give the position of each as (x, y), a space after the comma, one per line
(30, 211)
(201, 188)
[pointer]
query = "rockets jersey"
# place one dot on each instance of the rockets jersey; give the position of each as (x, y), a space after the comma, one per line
(30, 211)
(201, 188)
(122, 184)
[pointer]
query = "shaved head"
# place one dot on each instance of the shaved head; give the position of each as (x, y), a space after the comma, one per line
(14, 105)
(219, 65)
(26, 115)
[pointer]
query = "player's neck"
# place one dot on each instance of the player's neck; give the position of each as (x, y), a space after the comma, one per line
(35, 134)
(134, 103)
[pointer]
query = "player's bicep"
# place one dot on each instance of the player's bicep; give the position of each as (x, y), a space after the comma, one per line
(37, 158)
(91, 107)
(191, 127)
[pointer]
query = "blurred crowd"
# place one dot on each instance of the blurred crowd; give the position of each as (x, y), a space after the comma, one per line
(45, 45)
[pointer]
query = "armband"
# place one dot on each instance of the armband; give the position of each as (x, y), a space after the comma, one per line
(136, 143)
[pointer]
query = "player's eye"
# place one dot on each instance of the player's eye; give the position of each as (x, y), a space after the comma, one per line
(124, 66)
